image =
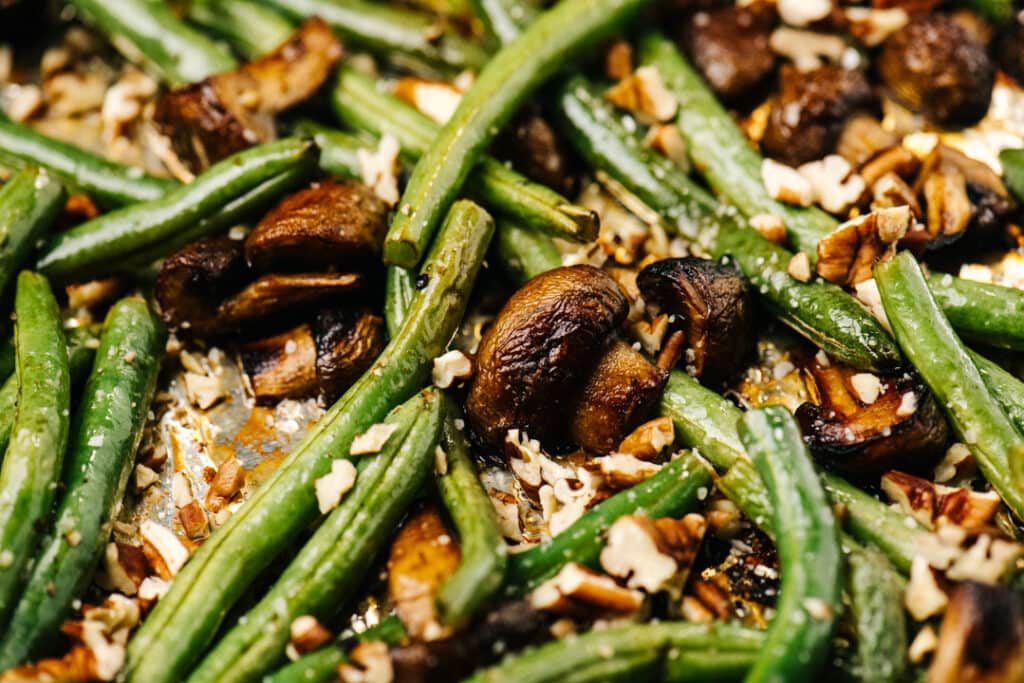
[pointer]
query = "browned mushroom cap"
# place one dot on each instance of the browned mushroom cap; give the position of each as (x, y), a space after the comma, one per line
(535, 150)
(981, 639)
(730, 47)
(713, 305)
(1011, 49)
(273, 294)
(328, 226)
(282, 366)
(865, 429)
(347, 343)
(808, 114)
(194, 280)
(939, 68)
(621, 392)
(211, 119)
(538, 350)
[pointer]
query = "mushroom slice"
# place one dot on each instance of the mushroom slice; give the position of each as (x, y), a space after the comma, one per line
(330, 225)
(619, 395)
(224, 113)
(981, 639)
(713, 303)
(347, 343)
(534, 356)
(272, 294)
(865, 425)
(282, 366)
(193, 281)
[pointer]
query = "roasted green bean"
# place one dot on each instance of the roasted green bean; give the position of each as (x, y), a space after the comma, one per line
(29, 203)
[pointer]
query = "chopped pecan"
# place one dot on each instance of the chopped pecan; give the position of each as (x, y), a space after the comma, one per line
(649, 439)
(934, 504)
(576, 590)
(653, 555)
(848, 255)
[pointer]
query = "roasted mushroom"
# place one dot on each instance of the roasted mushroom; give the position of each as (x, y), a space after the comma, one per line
(939, 68)
(864, 425)
(730, 47)
(282, 366)
(533, 147)
(227, 112)
(712, 304)
(619, 395)
(982, 637)
(272, 294)
(332, 225)
(540, 348)
(810, 110)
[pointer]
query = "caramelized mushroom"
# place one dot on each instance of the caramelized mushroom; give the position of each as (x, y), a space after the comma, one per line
(808, 114)
(535, 150)
(865, 425)
(619, 395)
(712, 303)
(227, 112)
(273, 294)
(194, 280)
(282, 366)
(331, 225)
(730, 48)
(539, 349)
(981, 639)
(939, 68)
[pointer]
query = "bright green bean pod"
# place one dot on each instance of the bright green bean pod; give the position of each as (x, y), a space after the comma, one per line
(981, 312)
(149, 30)
(723, 153)
(330, 568)
(399, 293)
(399, 34)
(876, 598)
(928, 340)
(118, 235)
(649, 647)
(186, 619)
(484, 554)
(504, 84)
(703, 419)
(504, 19)
(105, 435)
(1006, 388)
(31, 467)
(250, 27)
(807, 541)
(523, 253)
(818, 310)
(1013, 171)
(672, 492)
(339, 151)
(110, 184)
(320, 666)
(29, 203)
(361, 105)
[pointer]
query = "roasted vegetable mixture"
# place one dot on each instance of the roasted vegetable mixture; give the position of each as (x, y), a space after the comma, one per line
(526, 341)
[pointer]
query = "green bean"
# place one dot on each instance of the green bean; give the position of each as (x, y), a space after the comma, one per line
(339, 151)
(871, 522)
(330, 568)
(672, 492)
(981, 312)
(818, 310)
(399, 293)
(404, 36)
(651, 647)
(31, 467)
(106, 432)
(92, 246)
(523, 253)
(1006, 389)
(1013, 171)
(148, 30)
(362, 106)
(483, 553)
(807, 541)
(876, 601)
(29, 203)
(722, 152)
(503, 85)
(504, 19)
(928, 340)
(250, 27)
(186, 618)
(703, 419)
(997, 11)
(320, 666)
(109, 183)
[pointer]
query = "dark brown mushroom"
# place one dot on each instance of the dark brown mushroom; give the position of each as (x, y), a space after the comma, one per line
(1011, 49)
(273, 294)
(227, 112)
(712, 304)
(730, 47)
(538, 351)
(533, 148)
(808, 114)
(940, 68)
(331, 225)
(865, 425)
(195, 279)
(282, 366)
(618, 396)
(981, 639)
